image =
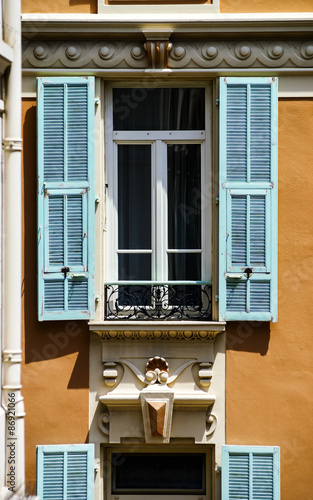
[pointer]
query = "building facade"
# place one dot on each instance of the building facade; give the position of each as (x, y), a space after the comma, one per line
(166, 247)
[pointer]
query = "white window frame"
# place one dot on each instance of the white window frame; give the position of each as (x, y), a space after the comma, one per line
(158, 141)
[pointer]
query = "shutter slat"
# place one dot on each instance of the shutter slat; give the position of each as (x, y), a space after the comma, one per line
(257, 231)
(53, 132)
(239, 230)
(75, 230)
(248, 199)
(54, 297)
(53, 477)
(77, 480)
(66, 198)
(56, 231)
(77, 165)
(77, 295)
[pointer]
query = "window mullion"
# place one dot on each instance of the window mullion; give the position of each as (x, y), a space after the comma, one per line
(161, 211)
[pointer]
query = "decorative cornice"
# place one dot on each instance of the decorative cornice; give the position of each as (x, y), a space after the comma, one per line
(205, 54)
(127, 19)
(170, 335)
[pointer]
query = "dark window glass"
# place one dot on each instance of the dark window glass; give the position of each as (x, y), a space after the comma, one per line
(134, 197)
(184, 266)
(134, 267)
(158, 473)
(141, 108)
(184, 195)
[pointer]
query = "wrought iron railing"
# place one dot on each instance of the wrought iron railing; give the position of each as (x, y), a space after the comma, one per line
(146, 300)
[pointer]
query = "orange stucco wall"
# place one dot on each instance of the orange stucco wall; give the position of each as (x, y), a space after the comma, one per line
(226, 6)
(269, 376)
(269, 367)
(59, 6)
(55, 373)
(236, 6)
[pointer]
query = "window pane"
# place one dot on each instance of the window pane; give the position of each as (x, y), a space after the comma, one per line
(184, 195)
(184, 266)
(134, 197)
(156, 473)
(141, 108)
(134, 267)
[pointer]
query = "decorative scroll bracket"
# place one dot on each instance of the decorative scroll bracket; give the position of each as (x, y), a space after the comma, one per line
(157, 46)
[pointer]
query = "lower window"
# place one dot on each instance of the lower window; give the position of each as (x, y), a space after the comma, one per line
(152, 474)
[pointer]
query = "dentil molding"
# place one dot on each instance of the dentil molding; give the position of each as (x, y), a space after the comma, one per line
(204, 54)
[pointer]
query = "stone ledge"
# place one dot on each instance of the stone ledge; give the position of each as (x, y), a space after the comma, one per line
(157, 330)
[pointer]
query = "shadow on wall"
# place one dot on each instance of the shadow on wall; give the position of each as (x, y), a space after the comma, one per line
(93, 4)
(248, 336)
(48, 340)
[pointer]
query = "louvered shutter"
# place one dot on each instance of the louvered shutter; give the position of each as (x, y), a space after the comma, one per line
(65, 110)
(250, 473)
(248, 199)
(65, 472)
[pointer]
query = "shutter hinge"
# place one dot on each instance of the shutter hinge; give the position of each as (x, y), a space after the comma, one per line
(217, 200)
(217, 102)
(216, 298)
(97, 101)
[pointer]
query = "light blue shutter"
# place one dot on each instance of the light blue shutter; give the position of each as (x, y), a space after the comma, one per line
(248, 199)
(65, 110)
(65, 472)
(250, 473)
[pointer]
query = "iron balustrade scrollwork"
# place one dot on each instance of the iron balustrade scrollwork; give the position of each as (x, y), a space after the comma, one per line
(176, 300)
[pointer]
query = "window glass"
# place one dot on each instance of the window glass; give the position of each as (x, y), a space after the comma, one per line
(134, 197)
(156, 473)
(141, 108)
(184, 202)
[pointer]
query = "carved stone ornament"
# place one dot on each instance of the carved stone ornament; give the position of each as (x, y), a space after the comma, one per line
(160, 54)
(110, 374)
(159, 335)
(104, 423)
(157, 413)
(157, 370)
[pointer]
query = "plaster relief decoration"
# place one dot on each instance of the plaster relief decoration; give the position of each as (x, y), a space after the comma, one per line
(157, 402)
(154, 396)
(158, 53)
(157, 47)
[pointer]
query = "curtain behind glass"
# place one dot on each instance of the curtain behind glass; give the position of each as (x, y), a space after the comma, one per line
(158, 109)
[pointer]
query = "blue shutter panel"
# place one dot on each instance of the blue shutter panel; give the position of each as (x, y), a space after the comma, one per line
(65, 472)
(248, 199)
(250, 473)
(65, 198)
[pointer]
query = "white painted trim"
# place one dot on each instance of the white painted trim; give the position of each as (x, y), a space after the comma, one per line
(295, 86)
(112, 13)
(29, 87)
(183, 325)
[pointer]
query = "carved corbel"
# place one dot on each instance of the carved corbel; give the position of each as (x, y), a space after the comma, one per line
(110, 373)
(157, 413)
(205, 374)
(157, 46)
